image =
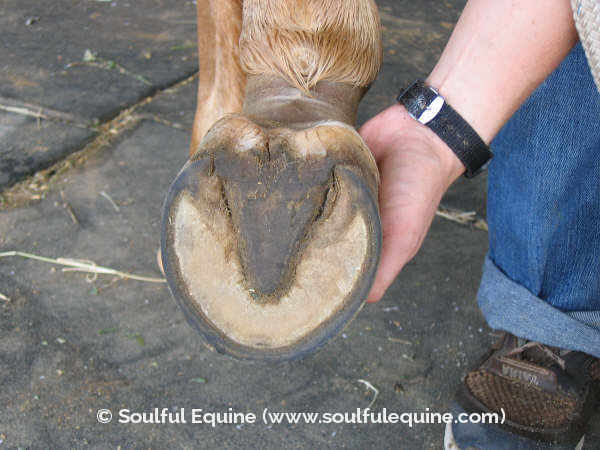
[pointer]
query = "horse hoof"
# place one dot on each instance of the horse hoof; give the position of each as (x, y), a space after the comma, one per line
(271, 236)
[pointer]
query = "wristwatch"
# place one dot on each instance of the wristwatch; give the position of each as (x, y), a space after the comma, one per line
(427, 106)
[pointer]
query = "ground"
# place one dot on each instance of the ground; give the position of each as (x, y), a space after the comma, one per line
(96, 105)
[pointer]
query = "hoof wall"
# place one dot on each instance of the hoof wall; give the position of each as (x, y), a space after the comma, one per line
(271, 238)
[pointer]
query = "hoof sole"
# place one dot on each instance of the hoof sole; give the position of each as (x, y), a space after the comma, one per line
(268, 248)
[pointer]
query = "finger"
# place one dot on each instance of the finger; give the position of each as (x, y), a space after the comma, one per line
(386, 274)
(396, 251)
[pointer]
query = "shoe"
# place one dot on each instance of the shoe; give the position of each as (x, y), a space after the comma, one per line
(546, 396)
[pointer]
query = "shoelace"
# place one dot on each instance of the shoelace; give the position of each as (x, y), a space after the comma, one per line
(551, 354)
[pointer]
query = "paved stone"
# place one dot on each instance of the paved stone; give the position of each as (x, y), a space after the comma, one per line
(177, 110)
(71, 346)
(141, 46)
(28, 145)
(153, 41)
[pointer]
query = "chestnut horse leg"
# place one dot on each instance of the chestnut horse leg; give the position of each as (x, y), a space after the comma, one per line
(221, 81)
(271, 234)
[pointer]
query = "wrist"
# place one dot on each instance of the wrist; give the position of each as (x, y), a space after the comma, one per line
(427, 106)
(467, 105)
(408, 129)
(453, 166)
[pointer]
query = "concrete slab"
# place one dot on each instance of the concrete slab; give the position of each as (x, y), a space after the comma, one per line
(141, 46)
(174, 106)
(28, 145)
(71, 347)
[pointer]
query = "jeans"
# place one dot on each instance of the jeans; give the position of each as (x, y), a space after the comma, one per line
(541, 278)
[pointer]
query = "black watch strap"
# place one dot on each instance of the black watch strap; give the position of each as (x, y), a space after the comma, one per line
(425, 104)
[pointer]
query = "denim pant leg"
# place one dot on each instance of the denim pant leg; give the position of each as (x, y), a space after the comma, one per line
(541, 277)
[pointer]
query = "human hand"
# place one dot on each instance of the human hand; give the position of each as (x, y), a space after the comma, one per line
(416, 169)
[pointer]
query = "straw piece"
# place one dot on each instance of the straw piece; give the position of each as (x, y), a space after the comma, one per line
(80, 265)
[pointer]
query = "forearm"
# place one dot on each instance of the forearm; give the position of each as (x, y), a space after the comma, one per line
(499, 52)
